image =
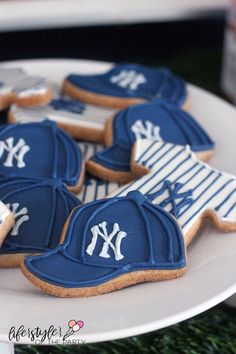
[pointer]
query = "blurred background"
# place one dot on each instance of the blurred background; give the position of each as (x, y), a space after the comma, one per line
(186, 35)
(196, 39)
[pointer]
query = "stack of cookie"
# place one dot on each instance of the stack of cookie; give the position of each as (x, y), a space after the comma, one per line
(146, 190)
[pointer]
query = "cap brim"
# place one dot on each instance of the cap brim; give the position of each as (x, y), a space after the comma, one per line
(57, 268)
(114, 158)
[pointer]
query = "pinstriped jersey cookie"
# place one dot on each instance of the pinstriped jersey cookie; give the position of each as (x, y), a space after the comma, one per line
(127, 84)
(93, 187)
(25, 90)
(161, 121)
(80, 120)
(184, 186)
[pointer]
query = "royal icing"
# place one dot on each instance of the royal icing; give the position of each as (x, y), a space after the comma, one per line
(39, 151)
(15, 152)
(128, 79)
(101, 243)
(101, 230)
(160, 121)
(94, 188)
(40, 210)
(20, 215)
(182, 184)
(134, 81)
(64, 110)
(20, 83)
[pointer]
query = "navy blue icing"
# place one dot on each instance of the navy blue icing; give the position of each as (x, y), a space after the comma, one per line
(51, 153)
(152, 240)
(41, 208)
(177, 199)
(68, 105)
(176, 126)
(160, 83)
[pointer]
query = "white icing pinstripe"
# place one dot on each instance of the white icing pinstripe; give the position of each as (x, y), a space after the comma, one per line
(94, 188)
(17, 81)
(89, 149)
(210, 189)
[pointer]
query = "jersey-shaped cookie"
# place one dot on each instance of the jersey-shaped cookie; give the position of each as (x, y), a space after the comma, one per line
(7, 221)
(110, 244)
(18, 87)
(94, 188)
(40, 210)
(40, 151)
(155, 121)
(184, 186)
(81, 121)
(125, 85)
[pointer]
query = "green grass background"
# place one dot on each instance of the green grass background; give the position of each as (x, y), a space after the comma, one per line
(211, 332)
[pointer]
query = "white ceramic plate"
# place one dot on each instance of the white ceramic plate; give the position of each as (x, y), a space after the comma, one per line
(210, 278)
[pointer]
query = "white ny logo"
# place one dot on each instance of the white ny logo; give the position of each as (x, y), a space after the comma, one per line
(96, 231)
(146, 130)
(18, 151)
(20, 216)
(129, 79)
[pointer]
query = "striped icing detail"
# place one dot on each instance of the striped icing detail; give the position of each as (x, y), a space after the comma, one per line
(210, 189)
(17, 81)
(74, 113)
(94, 188)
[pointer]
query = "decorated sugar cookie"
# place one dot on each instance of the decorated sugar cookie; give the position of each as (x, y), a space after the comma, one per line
(82, 121)
(18, 87)
(96, 188)
(184, 186)
(89, 149)
(110, 244)
(125, 85)
(93, 187)
(155, 121)
(40, 210)
(40, 151)
(7, 221)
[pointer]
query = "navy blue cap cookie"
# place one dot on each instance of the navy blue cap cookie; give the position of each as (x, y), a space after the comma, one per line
(103, 250)
(40, 151)
(125, 85)
(40, 210)
(157, 121)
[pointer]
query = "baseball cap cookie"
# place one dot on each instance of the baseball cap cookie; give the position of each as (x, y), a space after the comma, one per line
(125, 85)
(40, 209)
(7, 221)
(161, 121)
(25, 90)
(40, 151)
(104, 251)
